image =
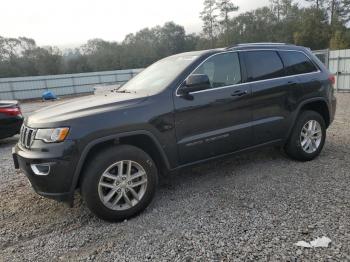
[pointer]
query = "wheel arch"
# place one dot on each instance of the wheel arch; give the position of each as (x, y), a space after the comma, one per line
(142, 139)
(317, 104)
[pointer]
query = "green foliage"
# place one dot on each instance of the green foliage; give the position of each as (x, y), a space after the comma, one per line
(321, 25)
(339, 11)
(21, 57)
(312, 30)
(339, 40)
(226, 7)
(210, 22)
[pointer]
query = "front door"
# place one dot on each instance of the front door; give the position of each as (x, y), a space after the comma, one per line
(217, 120)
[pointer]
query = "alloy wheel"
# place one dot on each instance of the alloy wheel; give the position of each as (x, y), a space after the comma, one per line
(122, 185)
(311, 136)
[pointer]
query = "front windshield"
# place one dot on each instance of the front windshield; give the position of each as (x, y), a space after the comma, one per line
(159, 75)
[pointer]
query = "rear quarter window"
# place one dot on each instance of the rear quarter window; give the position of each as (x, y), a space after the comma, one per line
(263, 65)
(297, 63)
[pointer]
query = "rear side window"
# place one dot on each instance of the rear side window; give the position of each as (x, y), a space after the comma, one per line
(222, 70)
(297, 63)
(263, 65)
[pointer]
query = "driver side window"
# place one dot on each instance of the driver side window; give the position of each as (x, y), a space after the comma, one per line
(222, 70)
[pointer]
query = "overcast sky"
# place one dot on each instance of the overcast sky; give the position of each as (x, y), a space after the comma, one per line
(68, 23)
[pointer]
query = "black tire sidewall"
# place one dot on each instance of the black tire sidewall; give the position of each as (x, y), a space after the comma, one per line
(96, 168)
(294, 148)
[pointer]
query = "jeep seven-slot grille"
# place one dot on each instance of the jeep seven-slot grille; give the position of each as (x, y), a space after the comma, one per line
(27, 136)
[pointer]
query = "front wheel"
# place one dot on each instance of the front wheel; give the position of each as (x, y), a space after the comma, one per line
(308, 137)
(119, 183)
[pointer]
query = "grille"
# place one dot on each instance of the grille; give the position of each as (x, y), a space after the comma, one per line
(27, 136)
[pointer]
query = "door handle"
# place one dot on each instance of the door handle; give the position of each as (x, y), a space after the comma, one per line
(239, 93)
(292, 83)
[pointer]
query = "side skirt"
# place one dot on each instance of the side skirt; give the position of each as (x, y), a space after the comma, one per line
(248, 149)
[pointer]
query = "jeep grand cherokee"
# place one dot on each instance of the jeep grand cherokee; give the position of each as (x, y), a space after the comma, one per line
(182, 110)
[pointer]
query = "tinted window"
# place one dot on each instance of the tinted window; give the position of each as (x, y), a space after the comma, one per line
(263, 65)
(297, 63)
(222, 70)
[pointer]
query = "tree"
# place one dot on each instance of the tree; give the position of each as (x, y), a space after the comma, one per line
(339, 41)
(339, 11)
(276, 8)
(282, 8)
(171, 38)
(322, 25)
(75, 62)
(226, 7)
(210, 22)
(318, 4)
(9, 47)
(313, 30)
(255, 26)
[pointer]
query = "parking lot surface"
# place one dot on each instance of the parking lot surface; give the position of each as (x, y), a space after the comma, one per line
(250, 207)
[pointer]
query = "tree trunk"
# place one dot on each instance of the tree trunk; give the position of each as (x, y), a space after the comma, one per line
(227, 29)
(332, 11)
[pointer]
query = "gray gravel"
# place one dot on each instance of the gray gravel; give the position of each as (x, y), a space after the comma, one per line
(254, 206)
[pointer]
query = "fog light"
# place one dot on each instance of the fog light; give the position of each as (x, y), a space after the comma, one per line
(41, 169)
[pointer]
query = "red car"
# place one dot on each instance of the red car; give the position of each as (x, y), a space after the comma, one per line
(11, 118)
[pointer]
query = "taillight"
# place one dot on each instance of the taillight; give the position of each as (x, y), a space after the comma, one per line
(332, 79)
(11, 111)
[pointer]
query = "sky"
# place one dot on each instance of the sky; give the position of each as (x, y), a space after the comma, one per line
(70, 23)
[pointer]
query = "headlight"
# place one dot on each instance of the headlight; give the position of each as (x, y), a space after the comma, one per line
(52, 135)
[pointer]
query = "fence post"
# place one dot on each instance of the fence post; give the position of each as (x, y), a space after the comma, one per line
(45, 83)
(12, 91)
(73, 82)
(115, 77)
(131, 74)
(338, 62)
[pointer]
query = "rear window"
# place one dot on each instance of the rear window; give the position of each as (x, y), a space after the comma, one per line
(263, 65)
(297, 63)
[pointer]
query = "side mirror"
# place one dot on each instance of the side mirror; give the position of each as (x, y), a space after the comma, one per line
(195, 83)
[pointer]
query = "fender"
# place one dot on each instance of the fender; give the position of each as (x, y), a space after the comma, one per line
(106, 138)
(298, 109)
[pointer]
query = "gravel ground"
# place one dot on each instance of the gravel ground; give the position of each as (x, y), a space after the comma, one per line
(254, 206)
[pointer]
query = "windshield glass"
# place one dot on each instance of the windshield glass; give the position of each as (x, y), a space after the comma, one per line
(159, 75)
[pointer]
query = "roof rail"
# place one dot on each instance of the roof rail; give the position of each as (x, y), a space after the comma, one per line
(263, 43)
(252, 44)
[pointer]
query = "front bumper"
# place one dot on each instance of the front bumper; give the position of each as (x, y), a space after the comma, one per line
(57, 184)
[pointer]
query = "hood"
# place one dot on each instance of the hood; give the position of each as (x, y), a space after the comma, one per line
(82, 107)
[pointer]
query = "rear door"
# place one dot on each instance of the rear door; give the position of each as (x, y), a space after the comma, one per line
(271, 94)
(216, 120)
(298, 64)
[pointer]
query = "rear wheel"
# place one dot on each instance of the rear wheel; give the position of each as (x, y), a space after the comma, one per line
(119, 183)
(308, 137)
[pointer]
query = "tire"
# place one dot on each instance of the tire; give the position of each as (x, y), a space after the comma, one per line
(97, 184)
(294, 147)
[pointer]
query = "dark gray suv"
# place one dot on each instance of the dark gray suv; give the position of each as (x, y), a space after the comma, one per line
(180, 111)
